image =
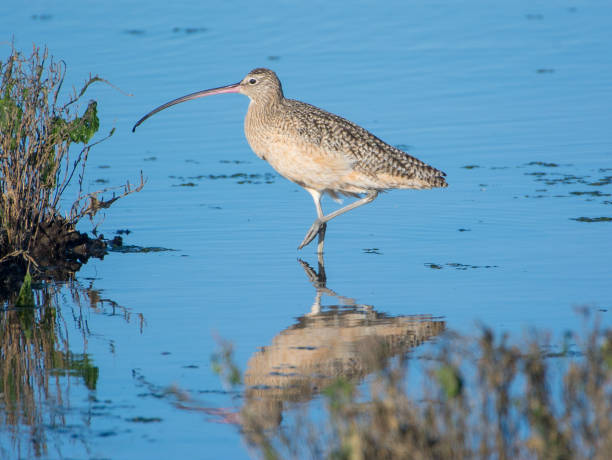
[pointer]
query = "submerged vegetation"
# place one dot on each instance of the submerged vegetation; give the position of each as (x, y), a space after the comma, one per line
(483, 397)
(44, 147)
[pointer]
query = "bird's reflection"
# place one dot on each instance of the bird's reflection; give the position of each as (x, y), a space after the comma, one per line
(346, 340)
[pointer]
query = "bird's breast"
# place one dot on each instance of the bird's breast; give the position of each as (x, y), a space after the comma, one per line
(293, 156)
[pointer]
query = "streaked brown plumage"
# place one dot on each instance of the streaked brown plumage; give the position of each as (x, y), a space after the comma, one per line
(320, 151)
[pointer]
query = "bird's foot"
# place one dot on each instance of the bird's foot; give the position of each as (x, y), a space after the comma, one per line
(314, 230)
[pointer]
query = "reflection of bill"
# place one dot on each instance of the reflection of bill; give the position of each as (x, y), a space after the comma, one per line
(345, 341)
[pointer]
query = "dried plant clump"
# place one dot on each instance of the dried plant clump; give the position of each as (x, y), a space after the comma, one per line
(37, 136)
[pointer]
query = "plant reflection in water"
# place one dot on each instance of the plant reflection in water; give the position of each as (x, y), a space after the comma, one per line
(39, 364)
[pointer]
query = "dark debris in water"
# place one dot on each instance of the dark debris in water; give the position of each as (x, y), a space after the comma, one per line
(41, 17)
(235, 162)
(600, 178)
(457, 266)
(606, 180)
(464, 230)
(116, 241)
(590, 193)
(592, 219)
(236, 394)
(133, 249)
(372, 251)
(144, 419)
(564, 179)
(134, 32)
(542, 163)
(189, 30)
(470, 167)
(540, 71)
(239, 178)
(186, 184)
(151, 394)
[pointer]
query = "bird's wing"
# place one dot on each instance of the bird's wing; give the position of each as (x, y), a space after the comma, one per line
(363, 149)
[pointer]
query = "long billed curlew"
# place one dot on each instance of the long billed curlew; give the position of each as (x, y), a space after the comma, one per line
(320, 151)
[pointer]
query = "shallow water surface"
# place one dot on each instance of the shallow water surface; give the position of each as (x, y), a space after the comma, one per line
(512, 102)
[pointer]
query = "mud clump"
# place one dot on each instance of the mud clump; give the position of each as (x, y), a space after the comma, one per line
(58, 251)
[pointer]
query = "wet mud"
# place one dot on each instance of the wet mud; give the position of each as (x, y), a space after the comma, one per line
(60, 250)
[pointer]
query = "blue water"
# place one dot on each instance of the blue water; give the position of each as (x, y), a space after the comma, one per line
(512, 101)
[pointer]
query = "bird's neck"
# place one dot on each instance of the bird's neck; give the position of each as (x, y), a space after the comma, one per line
(260, 124)
(262, 109)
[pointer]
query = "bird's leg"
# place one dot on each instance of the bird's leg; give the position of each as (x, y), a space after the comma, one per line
(321, 238)
(323, 226)
(321, 222)
(316, 229)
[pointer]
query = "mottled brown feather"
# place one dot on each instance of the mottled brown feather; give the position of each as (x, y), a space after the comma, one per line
(323, 151)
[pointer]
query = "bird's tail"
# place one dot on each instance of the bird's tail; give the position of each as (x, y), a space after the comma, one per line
(438, 180)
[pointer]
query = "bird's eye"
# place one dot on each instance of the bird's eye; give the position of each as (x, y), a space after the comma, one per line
(252, 81)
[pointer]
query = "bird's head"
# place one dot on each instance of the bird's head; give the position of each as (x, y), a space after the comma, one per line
(260, 85)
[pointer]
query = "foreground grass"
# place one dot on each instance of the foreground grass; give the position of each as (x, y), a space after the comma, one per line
(483, 397)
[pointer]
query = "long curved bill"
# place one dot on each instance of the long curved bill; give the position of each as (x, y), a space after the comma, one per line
(235, 88)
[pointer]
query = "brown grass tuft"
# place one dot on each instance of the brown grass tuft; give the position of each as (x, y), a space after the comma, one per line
(44, 145)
